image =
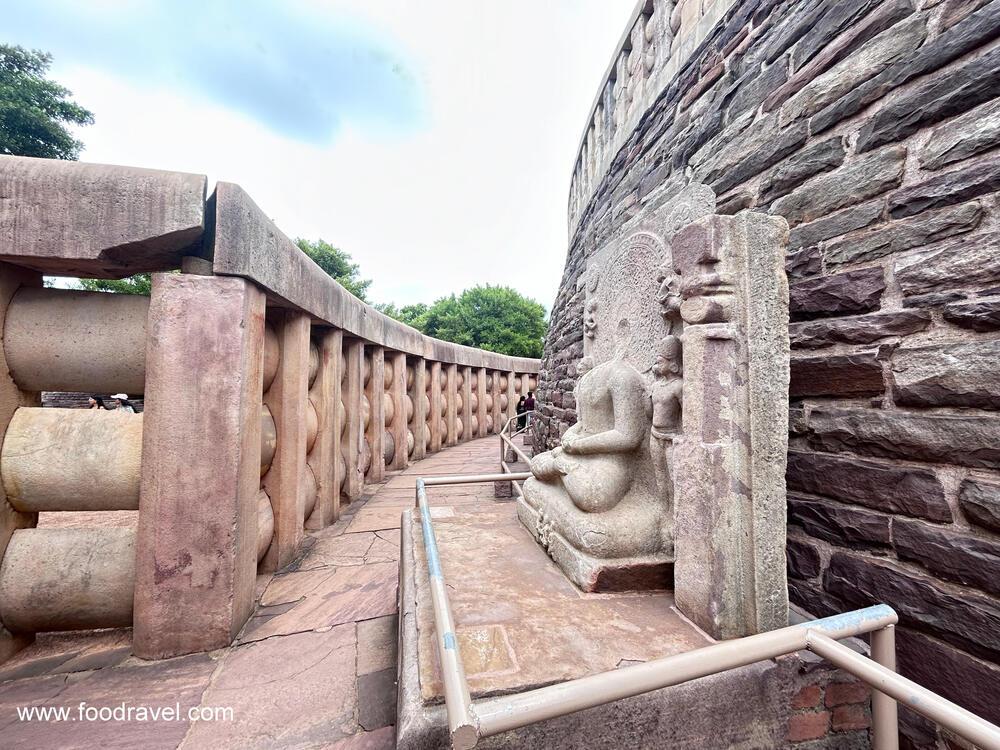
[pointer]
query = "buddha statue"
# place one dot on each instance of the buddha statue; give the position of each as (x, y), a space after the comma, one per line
(594, 502)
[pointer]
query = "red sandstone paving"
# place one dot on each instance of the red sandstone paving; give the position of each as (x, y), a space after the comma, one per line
(323, 627)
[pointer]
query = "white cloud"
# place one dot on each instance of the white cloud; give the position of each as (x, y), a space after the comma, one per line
(475, 193)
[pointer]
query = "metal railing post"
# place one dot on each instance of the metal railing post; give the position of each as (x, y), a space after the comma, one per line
(949, 715)
(885, 719)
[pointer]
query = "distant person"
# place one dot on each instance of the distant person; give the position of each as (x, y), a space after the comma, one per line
(529, 405)
(522, 418)
(124, 405)
(96, 402)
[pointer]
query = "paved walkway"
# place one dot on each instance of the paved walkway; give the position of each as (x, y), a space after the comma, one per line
(315, 666)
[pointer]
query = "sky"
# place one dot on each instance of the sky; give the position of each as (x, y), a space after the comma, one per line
(431, 139)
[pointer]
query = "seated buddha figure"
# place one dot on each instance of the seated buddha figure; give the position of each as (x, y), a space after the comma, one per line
(598, 490)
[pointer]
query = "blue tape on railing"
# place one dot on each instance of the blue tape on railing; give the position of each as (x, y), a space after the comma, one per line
(430, 543)
(449, 641)
(849, 620)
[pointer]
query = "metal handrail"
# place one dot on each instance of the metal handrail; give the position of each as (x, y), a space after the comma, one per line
(469, 721)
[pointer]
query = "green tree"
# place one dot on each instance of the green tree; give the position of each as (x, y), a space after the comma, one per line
(338, 264)
(35, 111)
(495, 318)
(141, 283)
(412, 315)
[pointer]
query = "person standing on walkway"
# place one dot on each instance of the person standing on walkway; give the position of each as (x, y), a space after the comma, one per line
(96, 402)
(529, 405)
(521, 418)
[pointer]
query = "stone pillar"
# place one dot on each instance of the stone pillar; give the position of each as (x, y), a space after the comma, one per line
(436, 399)
(376, 420)
(511, 392)
(288, 399)
(498, 418)
(196, 546)
(451, 404)
(12, 278)
(481, 410)
(354, 427)
(421, 408)
(730, 476)
(399, 427)
(324, 457)
(467, 411)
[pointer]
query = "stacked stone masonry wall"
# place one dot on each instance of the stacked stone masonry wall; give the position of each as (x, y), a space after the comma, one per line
(872, 126)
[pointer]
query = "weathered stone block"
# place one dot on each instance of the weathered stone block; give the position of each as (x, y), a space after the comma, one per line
(961, 137)
(852, 183)
(953, 674)
(977, 316)
(815, 158)
(840, 294)
(96, 220)
(834, 225)
(954, 555)
(938, 438)
(946, 94)
(871, 59)
(803, 558)
(803, 263)
(980, 502)
(966, 619)
(753, 151)
(948, 188)
(847, 375)
(969, 261)
(888, 488)
(949, 375)
(837, 523)
(897, 236)
(970, 33)
(865, 329)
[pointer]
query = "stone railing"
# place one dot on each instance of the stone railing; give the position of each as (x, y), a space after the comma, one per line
(272, 396)
(659, 39)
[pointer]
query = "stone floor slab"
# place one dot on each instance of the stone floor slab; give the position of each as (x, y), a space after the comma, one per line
(296, 691)
(325, 597)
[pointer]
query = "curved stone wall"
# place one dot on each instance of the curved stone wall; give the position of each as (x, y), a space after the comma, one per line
(872, 127)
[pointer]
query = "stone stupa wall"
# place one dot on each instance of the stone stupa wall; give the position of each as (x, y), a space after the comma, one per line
(872, 127)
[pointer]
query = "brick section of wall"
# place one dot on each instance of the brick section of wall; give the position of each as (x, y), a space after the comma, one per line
(873, 127)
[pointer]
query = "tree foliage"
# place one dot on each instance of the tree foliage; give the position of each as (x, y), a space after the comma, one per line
(412, 315)
(34, 111)
(495, 318)
(141, 283)
(337, 263)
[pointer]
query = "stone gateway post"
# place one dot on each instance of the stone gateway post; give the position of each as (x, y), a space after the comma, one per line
(730, 459)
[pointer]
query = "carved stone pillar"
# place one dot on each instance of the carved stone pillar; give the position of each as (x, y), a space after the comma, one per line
(481, 408)
(399, 426)
(324, 458)
(376, 419)
(438, 438)
(287, 398)
(467, 411)
(730, 484)
(354, 427)
(421, 408)
(196, 546)
(13, 278)
(451, 403)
